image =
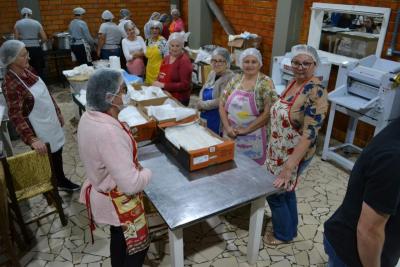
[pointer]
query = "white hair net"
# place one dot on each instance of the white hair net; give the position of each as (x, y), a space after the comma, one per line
(9, 51)
(156, 23)
(124, 13)
(175, 12)
(306, 50)
(107, 15)
(26, 10)
(155, 16)
(223, 52)
(101, 84)
(79, 11)
(177, 36)
(250, 52)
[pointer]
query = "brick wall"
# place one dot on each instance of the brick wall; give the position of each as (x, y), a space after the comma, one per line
(56, 14)
(9, 14)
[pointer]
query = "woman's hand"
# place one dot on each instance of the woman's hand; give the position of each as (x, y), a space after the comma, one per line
(241, 131)
(284, 178)
(40, 147)
(230, 131)
(158, 84)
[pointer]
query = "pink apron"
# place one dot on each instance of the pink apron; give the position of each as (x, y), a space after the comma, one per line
(242, 110)
(284, 136)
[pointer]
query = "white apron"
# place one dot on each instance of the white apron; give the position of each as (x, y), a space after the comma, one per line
(43, 116)
(242, 110)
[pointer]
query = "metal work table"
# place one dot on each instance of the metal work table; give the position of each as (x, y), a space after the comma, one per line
(183, 198)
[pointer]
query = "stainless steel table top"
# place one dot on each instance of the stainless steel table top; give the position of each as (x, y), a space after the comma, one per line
(183, 198)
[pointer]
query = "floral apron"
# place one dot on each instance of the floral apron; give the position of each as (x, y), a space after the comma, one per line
(284, 136)
(242, 110)
(130, 211)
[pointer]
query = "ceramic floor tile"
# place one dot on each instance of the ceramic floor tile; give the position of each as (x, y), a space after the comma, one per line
(221, 241)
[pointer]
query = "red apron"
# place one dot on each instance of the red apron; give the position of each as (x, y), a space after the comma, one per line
(130, 211)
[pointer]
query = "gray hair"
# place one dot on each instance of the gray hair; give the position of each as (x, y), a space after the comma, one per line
(175, 12)
(156, 23)
(102, 84)
(9, 51)
(250, 52)
(129, 24)
(223, 52)
(177, 36)
(306, 50)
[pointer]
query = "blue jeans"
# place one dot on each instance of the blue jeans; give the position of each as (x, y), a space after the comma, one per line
(284, 211)
(284, 215)
(106, 53)
(334, 260)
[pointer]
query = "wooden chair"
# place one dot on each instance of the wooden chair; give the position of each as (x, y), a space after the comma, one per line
(5, 229)
(28, 175)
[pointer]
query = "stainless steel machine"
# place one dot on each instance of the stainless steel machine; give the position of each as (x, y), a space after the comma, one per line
(367, 90)
(282, 71)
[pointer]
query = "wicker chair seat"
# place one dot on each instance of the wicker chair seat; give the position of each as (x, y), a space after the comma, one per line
(32, 191)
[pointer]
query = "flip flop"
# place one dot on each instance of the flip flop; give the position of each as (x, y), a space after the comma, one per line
(270, 240)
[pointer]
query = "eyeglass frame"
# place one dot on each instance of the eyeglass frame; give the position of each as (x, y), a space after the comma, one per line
(220, 62)
(297, 64)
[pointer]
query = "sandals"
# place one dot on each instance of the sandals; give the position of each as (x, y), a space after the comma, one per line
(270, 240)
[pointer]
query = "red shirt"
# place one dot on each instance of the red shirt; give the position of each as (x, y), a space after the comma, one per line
(20, 104)
(180, 77)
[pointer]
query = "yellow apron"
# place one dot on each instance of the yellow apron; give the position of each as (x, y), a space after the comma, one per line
(155, 58)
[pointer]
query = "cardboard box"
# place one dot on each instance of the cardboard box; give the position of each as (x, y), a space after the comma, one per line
(146, 131)
(245, 43)
(200, 158)
(168, 122)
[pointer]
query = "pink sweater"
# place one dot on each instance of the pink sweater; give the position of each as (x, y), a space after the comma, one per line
(107, 154)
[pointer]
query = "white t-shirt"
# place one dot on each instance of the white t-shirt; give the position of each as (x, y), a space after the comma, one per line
(132, 46)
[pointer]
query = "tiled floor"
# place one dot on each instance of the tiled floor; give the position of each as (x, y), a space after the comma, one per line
(221, 241)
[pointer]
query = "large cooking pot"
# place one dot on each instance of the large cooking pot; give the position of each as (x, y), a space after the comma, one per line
(62, 40)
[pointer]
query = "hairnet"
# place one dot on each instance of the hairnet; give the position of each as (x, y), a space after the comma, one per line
(175, 12)
(130, 24)
(164, 17)
(103, 83)
(223, 52)
(155, 23)
(107, 15)
(26, 10)
(124, 13)
(9, 51)
(177, 36)
(79, 11)
(250, 52)
(306, 50)
(155, 16)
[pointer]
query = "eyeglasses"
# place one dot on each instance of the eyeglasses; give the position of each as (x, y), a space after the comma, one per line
(214, 61)
(304, 65)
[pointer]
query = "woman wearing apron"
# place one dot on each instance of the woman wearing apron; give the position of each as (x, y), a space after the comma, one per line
(156, 50)
(134, 48)
(33, 111)
(245, 104)
(115, 179)
(176, 71)
(216, 82)
(295, 121)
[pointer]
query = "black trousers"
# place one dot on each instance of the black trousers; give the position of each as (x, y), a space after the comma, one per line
(58, 164)
(80, 54)
(36, 60)
(119, 258)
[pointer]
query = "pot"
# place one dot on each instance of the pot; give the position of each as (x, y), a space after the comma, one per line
(62, 40)
(46, 46)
